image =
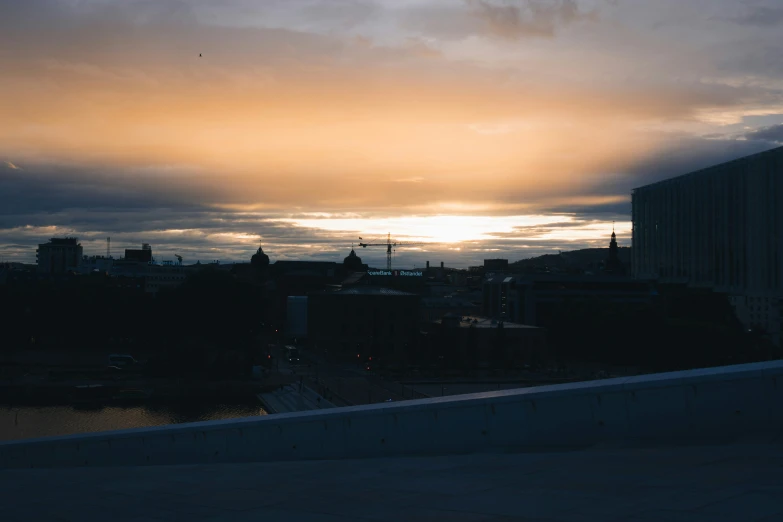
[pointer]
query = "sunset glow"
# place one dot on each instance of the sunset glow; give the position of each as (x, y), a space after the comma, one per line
(308, 123)
(433, 229)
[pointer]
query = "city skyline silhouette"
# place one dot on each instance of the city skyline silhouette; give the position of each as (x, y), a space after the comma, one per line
(485, 128)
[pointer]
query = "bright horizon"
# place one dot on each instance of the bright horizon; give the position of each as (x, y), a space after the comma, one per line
(485, 128)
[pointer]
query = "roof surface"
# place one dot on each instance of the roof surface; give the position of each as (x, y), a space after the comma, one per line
(370, 290)
(717, 483)
(485, 322)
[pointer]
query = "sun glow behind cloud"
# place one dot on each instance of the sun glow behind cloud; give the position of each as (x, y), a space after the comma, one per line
(447, 229)
(476, 127)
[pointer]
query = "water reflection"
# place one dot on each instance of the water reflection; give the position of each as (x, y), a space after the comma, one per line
(25, 422)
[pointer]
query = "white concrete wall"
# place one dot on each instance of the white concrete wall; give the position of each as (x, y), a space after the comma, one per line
(706, 405)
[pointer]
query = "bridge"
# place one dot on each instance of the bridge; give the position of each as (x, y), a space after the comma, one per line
(696, 445)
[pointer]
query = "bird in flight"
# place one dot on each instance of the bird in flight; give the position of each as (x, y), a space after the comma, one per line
(199, 55)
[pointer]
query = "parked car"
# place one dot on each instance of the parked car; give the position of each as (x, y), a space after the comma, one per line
(292, 354)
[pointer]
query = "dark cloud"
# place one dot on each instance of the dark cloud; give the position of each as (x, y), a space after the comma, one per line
(49, 189)
(772, 134)
(760, 16)
(679, 156)
(687, 155)
(509, 20)
(47, 201)
(526, 18)
(344, 14)
(619, 211)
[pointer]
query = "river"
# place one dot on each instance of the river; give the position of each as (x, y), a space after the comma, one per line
(26, 422)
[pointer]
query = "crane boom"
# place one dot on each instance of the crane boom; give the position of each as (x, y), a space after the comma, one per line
(390, 246)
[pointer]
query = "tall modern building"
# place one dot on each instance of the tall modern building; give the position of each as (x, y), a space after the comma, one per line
(720, 228)
(59, 255)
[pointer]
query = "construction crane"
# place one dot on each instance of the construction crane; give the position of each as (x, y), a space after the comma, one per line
(390, 245)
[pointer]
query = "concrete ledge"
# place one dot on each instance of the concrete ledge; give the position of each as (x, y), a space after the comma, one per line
(696, 406)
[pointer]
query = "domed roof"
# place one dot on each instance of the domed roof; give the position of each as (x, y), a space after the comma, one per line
(259, 258)
(353, 261)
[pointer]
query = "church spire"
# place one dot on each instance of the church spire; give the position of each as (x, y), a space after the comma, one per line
(613, 242)
(613, 264)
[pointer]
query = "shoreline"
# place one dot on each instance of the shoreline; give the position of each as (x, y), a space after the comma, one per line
(137, 391)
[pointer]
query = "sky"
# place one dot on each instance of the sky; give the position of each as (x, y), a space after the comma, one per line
(473, 128)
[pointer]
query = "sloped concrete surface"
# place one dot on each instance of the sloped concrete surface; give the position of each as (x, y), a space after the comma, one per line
(737, 482)
(699, 406)
(290, 398)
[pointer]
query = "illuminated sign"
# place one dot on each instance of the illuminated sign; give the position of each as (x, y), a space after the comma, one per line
(395, 273)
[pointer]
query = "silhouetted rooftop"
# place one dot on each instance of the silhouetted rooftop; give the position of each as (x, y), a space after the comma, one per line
(446, 302)
(64, 241)
(568, 278)
(467, 321)
(370, 290)
(777, 151)
(354, 278)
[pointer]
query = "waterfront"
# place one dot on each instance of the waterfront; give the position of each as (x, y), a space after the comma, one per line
(25, 422)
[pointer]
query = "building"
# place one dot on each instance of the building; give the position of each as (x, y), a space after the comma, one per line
(434, 308)
(367, 321)
(92, 264)
(530, 298)
(406, 280)
(140, 264)
(472, 342)
(613, 264)
(139, 256)
(495, 265)
(719, 228)
(353, 263)
(296, 317)
(298, 278)
(59, 255)
(158, 277)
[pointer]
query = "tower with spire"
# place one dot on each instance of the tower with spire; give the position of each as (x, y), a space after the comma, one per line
(260, 263)
(613, 264)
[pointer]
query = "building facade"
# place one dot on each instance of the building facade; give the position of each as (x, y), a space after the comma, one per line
(434, 308)
(720, 227)
(530, 299)
(155, 277)
(476, 342)
(496, 265)
(59, 255)
(366, 321)
(92, 264)
(139, 256)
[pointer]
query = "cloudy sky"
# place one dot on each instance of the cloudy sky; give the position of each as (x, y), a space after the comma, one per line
(483, 128)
